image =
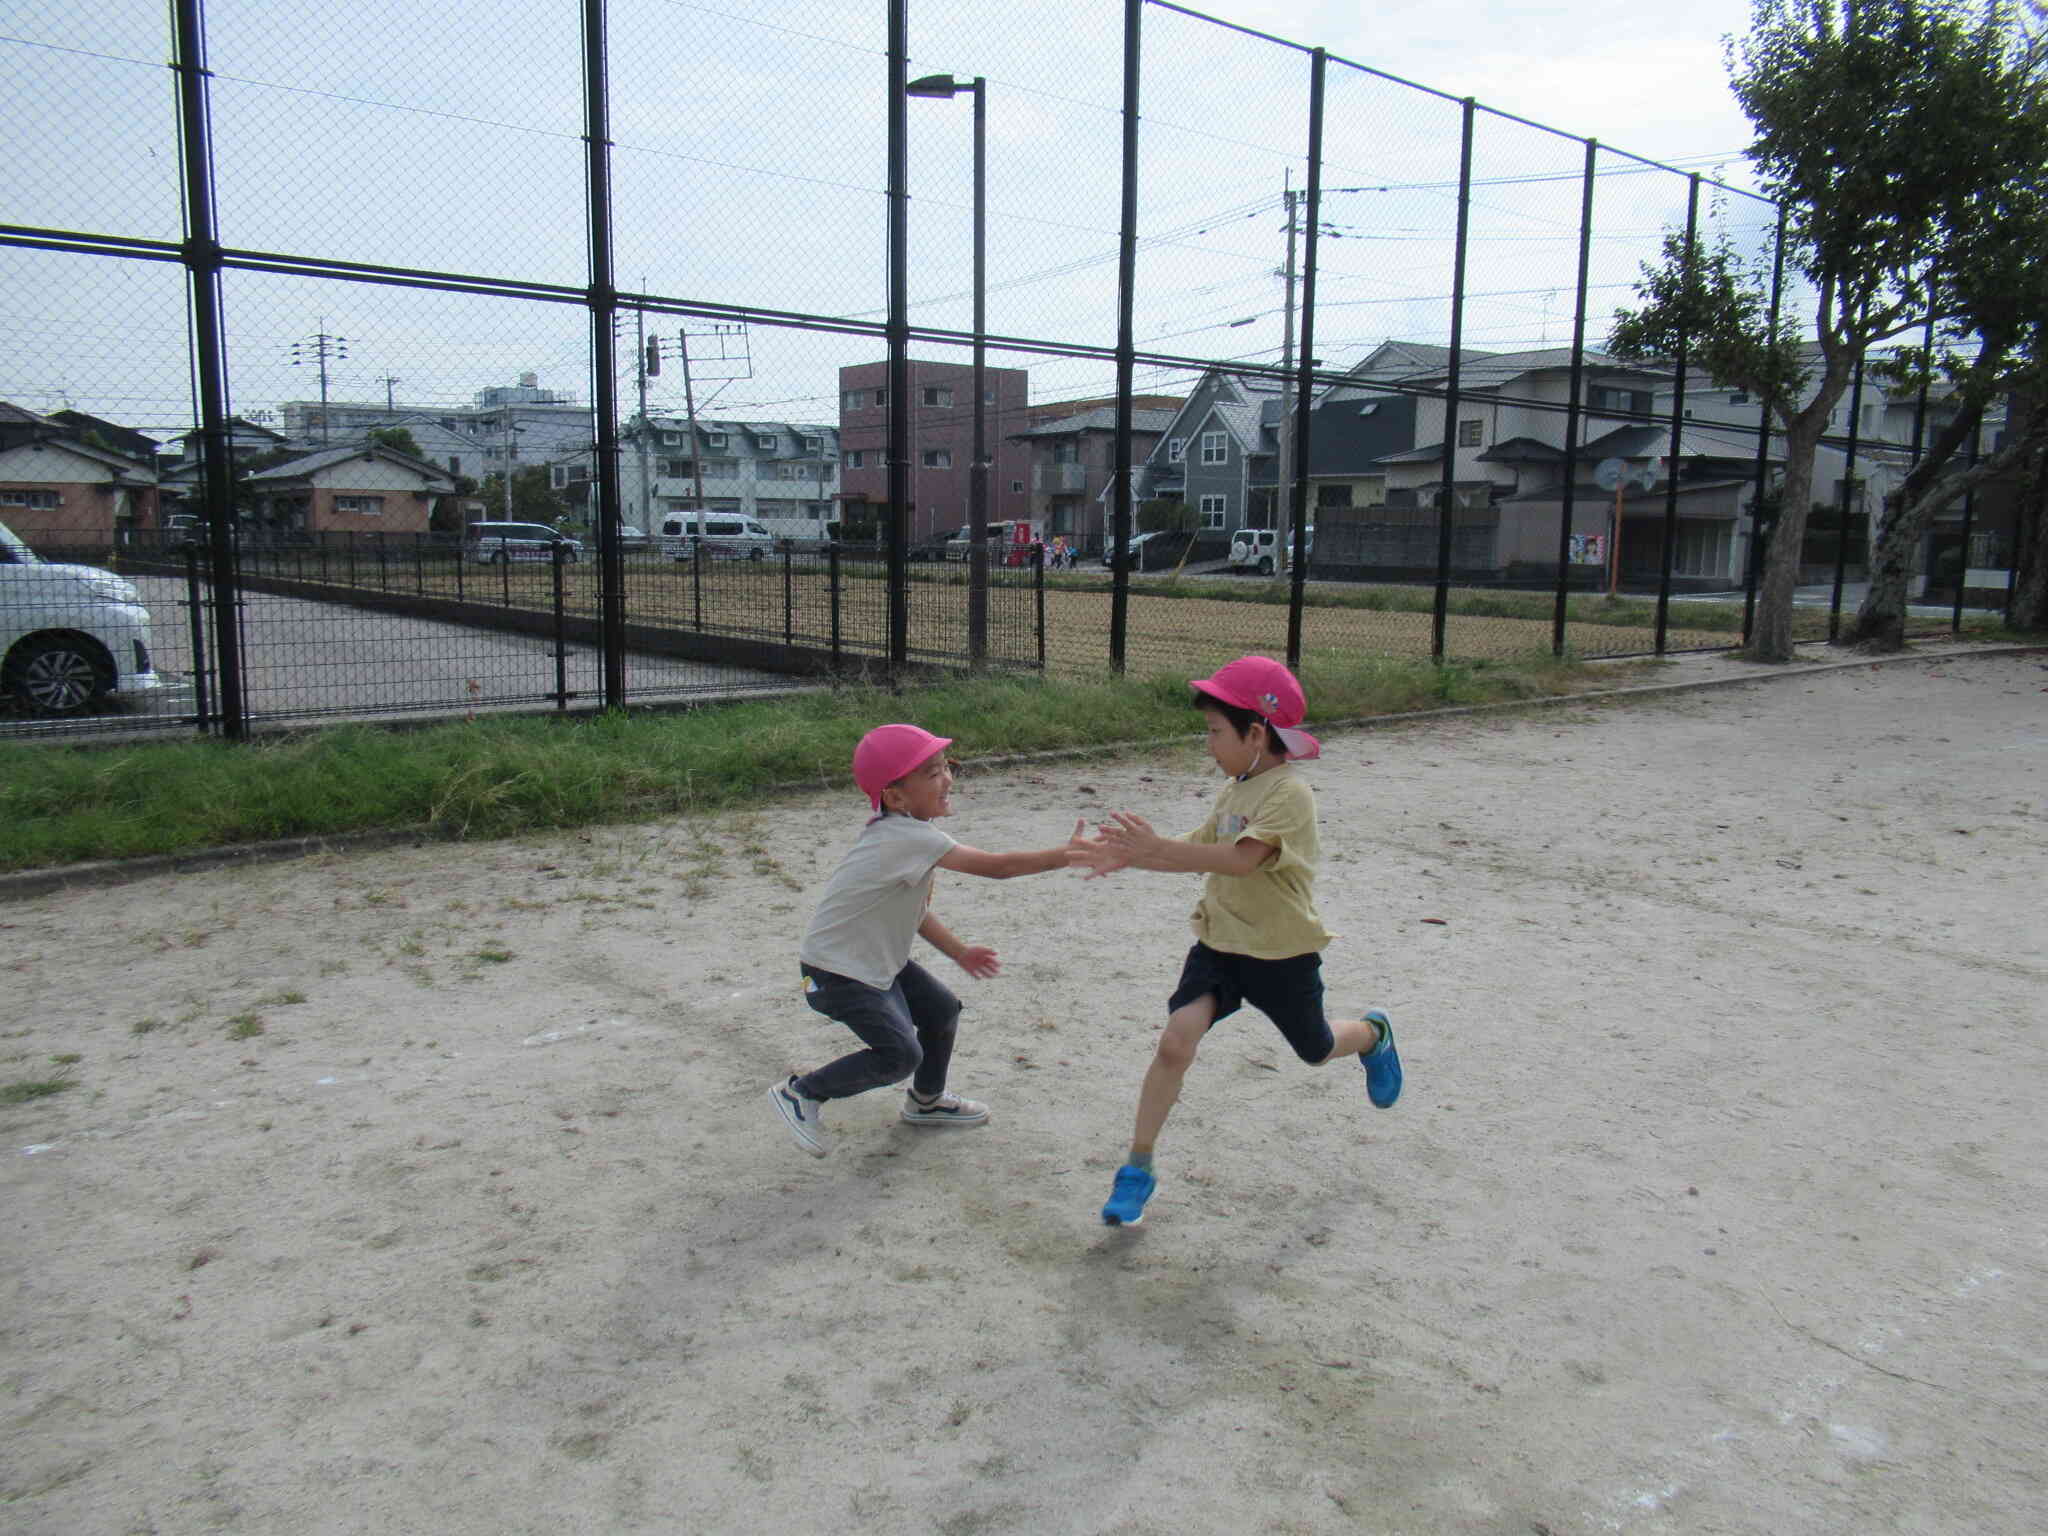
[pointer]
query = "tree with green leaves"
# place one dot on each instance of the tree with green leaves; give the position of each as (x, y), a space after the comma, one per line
(1896, 136)
(397, 439)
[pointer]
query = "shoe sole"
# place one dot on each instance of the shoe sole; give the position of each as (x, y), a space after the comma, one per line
(944, 1122)
(797, 1130)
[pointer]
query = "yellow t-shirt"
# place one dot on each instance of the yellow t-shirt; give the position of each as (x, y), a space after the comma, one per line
(1270, 913)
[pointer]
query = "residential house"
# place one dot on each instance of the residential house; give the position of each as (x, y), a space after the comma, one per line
(55, 487)
(361, 488)
(786, 474)
(1071, 460)
(942, 412)
(523, 425)
(1217, 454)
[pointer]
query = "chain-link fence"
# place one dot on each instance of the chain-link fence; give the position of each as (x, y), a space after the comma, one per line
(530, 353)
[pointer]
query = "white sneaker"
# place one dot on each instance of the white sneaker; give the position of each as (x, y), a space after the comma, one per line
(803, 1116)
(947, 1109)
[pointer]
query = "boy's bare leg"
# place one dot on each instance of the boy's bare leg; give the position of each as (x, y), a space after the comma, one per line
(1353, 1037)
(1175, 1053)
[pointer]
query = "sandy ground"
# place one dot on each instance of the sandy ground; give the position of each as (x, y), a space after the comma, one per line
(1714, 1204)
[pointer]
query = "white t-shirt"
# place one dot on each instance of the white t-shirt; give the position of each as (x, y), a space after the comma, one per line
(872, 905)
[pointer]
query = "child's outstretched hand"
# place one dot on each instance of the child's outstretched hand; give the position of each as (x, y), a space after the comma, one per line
(1094, 855)
(1130, 836)
(978, 961)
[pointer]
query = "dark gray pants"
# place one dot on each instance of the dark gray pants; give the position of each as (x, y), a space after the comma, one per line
(908, 1031)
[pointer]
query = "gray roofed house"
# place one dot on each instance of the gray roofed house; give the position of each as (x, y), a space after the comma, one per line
(1072, 463)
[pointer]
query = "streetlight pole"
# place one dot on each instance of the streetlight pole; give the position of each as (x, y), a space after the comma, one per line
(977, 476)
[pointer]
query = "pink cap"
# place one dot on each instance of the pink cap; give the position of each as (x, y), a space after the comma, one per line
(1266, 688)
(887, 753)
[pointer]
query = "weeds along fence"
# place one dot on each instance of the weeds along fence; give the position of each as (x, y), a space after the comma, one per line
(333, 293)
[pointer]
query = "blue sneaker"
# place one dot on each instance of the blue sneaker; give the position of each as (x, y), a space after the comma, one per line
(1126, 1207)
(1382, 1064)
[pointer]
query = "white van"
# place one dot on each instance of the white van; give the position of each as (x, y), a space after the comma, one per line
(723, 535)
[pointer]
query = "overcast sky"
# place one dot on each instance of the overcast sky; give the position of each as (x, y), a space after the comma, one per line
(749, 169)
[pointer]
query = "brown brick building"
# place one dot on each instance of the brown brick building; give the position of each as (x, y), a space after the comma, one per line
(941, 409)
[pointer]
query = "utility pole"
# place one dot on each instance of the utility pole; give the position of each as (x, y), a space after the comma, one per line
(390, 401)
(1283, 482)
(649, 354)
(509, 430)
(690, 413)
(318, 349)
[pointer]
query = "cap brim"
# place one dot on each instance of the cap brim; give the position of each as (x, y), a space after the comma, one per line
(1299, 744)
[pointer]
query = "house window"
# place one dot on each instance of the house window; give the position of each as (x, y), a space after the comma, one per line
(670, 439)
(1215, 449)
(1214, 510)
(881, 397)
(937, 394)
(771, 445)
(1066, 453)
(714, 439)
(855, 458)
(814, 445)
(35, 501)
(1738, 397)
(1016, 487)
(1469, 432)
(676, 468)
(938, 458)
(853, 400)
(360, 506)
(1634, 401)
(1176, 449)
(1703, 549)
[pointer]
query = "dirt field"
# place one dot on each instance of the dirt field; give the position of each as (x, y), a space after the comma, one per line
(434, 1190)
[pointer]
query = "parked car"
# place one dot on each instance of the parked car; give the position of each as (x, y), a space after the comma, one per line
(1258, 549)
(70, 635)
(721, 535)
(1003, 545)
(504, 543)
(634, 539)
(935, 547)
(1150, 551)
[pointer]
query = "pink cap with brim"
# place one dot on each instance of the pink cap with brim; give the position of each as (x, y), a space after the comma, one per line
(887, 753)
(1266, 688)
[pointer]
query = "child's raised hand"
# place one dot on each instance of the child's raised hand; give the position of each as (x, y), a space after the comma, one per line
(979, 961)
(1094, 855)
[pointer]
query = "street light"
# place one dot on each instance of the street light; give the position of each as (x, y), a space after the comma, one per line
(946, 87)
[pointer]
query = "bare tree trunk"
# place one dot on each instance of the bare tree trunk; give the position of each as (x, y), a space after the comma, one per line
(2030, 523)
(1771, 637)
(1880, 622)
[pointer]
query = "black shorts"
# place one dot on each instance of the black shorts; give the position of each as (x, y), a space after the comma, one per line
(1289, 992)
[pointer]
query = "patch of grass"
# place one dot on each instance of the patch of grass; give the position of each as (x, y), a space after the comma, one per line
(500, 777)
(27, 1090)
(283, 999)
(494, 954)
(245, 1026)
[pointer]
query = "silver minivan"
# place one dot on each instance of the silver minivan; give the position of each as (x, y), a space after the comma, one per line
(503, 543)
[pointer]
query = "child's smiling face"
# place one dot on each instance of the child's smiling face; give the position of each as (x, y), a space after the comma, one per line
(925, 792)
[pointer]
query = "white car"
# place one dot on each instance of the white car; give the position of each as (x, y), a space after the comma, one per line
(70, 635)
(1258, 549)
(720, 535)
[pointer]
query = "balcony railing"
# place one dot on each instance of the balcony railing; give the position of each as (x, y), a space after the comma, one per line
(1056, 479)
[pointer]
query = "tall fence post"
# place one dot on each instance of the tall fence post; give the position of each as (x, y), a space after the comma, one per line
(602, 297)
(833, 566)
(1448, 497)
(788, 595)
(1122, 470)
(1305, 381)
(1038, 582)
(202, 261)
(1692, 233)
(899, 336)
(1955, 623)
(1766, 406)
(1573, 405)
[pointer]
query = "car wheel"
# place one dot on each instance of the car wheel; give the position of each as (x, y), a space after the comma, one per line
(755, 553)
(1265, 565)
(57, 675)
